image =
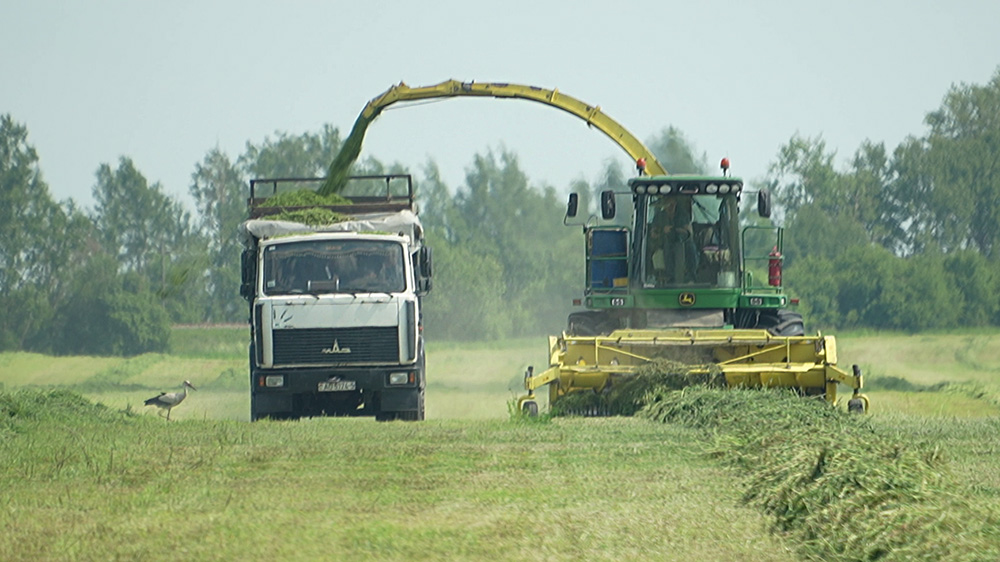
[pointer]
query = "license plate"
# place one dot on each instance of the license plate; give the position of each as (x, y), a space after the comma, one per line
(336, 386)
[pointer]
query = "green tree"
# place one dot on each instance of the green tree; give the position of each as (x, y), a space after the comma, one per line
(41, 243)
(111, 314)
(219, 191)
(289, 156)
(150, 233)
(505, 237)
(804, 175)
(947, 182)
(138, 222)
(921, 295)
(977, 284)
(522, 228)
(814, 280)
(28, 215)
(677, 154)
(467, 301)
(827, 211)
(812, 232)
(866, 198)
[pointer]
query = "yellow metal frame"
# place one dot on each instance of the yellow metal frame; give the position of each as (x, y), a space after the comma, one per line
(592, 114)
(746, 358)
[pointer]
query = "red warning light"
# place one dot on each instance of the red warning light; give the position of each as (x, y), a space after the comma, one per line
(640, 165)
(724, 164)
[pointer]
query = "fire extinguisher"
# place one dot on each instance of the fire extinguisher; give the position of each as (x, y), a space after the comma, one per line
(774, 268)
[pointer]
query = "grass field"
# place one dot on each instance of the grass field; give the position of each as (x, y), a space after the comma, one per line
(80, 482)
(926, 358)
(353, 489)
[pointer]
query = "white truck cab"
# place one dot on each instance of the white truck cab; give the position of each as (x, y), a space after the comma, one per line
(335, 309)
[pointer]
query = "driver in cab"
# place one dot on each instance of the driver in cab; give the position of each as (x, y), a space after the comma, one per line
(675, 252)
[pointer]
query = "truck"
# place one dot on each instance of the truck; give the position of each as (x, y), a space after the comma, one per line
(334, 294)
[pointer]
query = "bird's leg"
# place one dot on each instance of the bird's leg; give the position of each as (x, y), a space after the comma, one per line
(168, 413)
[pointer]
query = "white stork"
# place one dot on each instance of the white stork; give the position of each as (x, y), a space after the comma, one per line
(167, 400)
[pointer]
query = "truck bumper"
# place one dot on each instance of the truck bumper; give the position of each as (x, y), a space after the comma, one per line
(291, 393)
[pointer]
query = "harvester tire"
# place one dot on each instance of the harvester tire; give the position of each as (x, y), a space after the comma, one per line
(858, 404)
(783, 323)
(530, 409)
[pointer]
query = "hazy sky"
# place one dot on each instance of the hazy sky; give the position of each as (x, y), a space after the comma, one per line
(165, 82)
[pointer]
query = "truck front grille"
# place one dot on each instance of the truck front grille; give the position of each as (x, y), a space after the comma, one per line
(341, 346)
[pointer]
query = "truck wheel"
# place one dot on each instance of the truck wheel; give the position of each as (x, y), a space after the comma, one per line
(417, 415)
(274, 416)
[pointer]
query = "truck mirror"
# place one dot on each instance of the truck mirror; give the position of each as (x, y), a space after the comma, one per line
(424, 286)
(764, 203)
(608, 204)
(248, 267)
(571, 207)
(426, 265)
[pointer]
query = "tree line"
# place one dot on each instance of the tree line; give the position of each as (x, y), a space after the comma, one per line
(111, 279)
(907, 239)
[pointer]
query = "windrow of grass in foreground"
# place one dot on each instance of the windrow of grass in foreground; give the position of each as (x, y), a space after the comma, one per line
(831, 483)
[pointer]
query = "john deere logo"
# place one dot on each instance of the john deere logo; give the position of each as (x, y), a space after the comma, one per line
(686, 299)
(335, 349)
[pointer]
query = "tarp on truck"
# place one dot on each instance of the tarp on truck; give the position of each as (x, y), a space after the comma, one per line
(405, 222)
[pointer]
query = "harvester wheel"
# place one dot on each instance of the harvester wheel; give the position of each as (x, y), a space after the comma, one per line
(782, 323)
(530, 408)
(591, 323)
(858, 404)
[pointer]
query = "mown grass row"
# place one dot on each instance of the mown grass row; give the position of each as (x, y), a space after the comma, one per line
(830, 482)
(838, 486)
(21, 410)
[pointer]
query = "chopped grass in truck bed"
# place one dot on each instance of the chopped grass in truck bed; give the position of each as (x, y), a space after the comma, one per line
(314, 213)
(305, 198)
(311, 217)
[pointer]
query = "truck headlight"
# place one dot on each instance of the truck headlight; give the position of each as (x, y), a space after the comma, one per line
(274, 381)
(399, 378)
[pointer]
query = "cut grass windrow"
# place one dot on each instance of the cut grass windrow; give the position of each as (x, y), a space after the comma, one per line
(830, 482)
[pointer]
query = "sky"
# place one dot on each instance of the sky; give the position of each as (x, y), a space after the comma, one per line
(165, 82)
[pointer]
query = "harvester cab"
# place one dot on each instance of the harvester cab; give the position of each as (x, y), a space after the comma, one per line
(676, 256)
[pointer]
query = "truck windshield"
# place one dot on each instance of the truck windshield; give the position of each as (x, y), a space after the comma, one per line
(691, 240)
(333, 266)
